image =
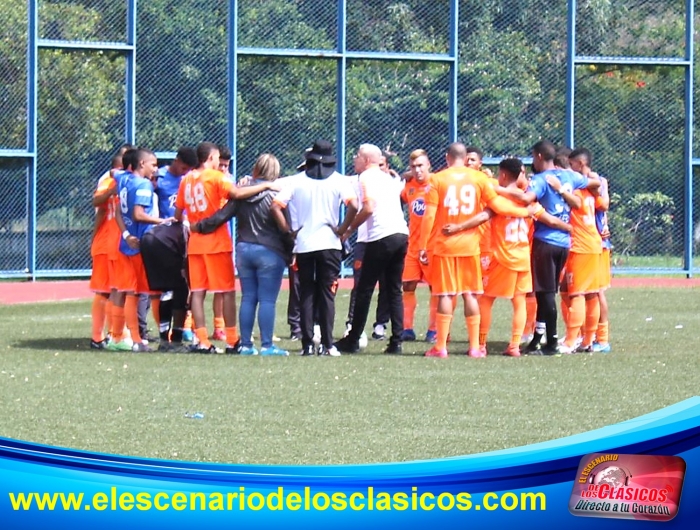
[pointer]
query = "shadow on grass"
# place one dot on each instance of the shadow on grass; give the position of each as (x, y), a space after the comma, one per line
(56, 344)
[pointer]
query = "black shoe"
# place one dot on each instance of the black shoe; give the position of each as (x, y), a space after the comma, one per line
(165, 347)
(178, 347)
(235, 349)
(308, 351)
(98, 345)
(533, 346)
(549, 350)
(347, 345)
(202, 349)
(394, 347)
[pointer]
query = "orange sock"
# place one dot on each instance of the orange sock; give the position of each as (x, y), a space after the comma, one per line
(132, 316)
(473, 330)
(118, 322)
(603, 333)
(443, 323)
(189, 321)
(531, 308)
(577, 315)
(592, 319)
(219, 323)
(232, 336)
(108, 316)
(485, 308)
(155, 311)
(98, 317)
(409, 308)
(519, 317)
(564, 305)
(203, 337)
(432, 322)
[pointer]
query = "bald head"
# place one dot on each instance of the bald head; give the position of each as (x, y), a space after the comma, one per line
(367, 155)
(456, 154)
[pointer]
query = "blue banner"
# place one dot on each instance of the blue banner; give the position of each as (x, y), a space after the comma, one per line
(544, 485)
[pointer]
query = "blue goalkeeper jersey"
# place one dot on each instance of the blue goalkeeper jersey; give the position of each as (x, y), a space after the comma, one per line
(166, 190)
(134, 191)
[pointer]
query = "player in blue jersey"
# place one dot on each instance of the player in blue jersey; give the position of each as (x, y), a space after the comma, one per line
(550, 246)
(135, 217)
(169, 178)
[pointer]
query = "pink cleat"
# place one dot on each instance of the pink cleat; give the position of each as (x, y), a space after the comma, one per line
(435, 352)
(476, 353)
(513, 350)
(219, 334)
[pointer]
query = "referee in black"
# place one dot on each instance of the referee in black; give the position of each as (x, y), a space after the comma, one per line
(163, 249)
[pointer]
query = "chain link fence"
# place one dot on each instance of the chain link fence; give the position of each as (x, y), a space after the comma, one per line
(512, 56)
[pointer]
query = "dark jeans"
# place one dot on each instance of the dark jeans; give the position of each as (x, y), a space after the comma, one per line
(383, 257)
(318, 283)
(293, 305)
(382, 315)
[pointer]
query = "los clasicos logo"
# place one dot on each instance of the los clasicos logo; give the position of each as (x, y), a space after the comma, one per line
(618, 486)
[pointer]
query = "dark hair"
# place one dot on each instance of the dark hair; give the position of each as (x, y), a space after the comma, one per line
(224, 152)
(117, 161)
(582, 152)
(562, 157)
(475, 150)
(511, 167)
(188, 156)
(124, 148)
(130, 158)
(457, 151)
(141, 154)
(204, 149)
(546, 149)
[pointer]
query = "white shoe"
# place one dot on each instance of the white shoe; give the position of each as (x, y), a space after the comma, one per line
(317, 334)
(332, 351)
(379, 332)
(363, 340)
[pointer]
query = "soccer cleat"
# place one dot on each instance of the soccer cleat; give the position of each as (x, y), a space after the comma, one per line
(219, 334)
(431, 336)
(274, 350)
(204, 349)
(482, 350)
(408, 335)
(178, 347)
(601, 348)
(99, 345)
(533, 346)
(513, 350)
(247, 350)
(435, 352)
(393, 348)
(187, 335)
(140, 347)
(317, 334)
(165, 347)
(379, 332)
(330, 352)
(122, 345)
(476, 353)
(565, 349)
(346, 345)
(235, 349)
(308, 351)
(584, 349)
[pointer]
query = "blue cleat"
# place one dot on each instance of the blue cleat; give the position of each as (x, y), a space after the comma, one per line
(431, 336)
(601, 348)
(408, 335)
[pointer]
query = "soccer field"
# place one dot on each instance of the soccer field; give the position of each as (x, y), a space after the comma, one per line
(354, 409)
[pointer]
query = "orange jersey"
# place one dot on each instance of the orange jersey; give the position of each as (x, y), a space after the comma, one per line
(456, 195)
(585, 238)
(510, 240)
(200, 195)
(413, 195)
(106, 239)
(485, 232)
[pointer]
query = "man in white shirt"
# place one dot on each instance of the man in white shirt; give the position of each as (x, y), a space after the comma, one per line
(385, 252)
(316, 196)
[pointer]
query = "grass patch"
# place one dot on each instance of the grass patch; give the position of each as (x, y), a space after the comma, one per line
(353, 409)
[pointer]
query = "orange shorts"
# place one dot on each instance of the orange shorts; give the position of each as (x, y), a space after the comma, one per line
(605, 271)
(414, 270)
(485, 259)
(502, 282)
(100, 281)
(130, 274)
(582, 273)
(212, 272)
(452, 275)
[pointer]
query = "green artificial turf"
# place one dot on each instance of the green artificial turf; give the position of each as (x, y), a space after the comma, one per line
(353, 409)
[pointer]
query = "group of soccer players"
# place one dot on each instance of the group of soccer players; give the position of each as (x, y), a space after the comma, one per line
(470, 234)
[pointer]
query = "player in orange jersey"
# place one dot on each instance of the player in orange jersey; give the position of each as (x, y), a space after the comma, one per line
(210, 255)
(105, 235)
(475, 160)
(582, 271)
(456, 195)
(580, 160)
(414, 271)
(508, 274)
